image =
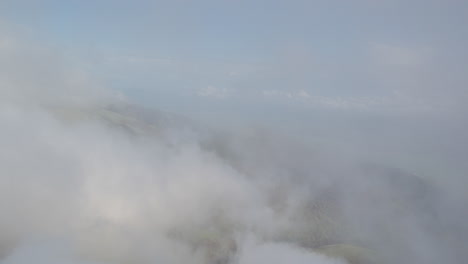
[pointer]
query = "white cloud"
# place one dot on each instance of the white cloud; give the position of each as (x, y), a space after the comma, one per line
(214, 92)
(399, 56)
(282, 253)
(396, 102)
(303, 93)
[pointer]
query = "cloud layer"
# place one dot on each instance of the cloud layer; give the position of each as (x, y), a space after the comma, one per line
(86, 177)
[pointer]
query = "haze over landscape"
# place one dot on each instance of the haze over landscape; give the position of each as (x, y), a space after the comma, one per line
(219, 132)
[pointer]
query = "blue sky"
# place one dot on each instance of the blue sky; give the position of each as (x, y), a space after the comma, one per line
(373, 55)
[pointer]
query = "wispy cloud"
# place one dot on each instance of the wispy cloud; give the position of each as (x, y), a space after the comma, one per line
(214, 92)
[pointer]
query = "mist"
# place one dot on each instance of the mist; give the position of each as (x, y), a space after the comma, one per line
(252, 169)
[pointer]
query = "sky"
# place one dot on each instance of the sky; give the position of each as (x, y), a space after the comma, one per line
(364, 55)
